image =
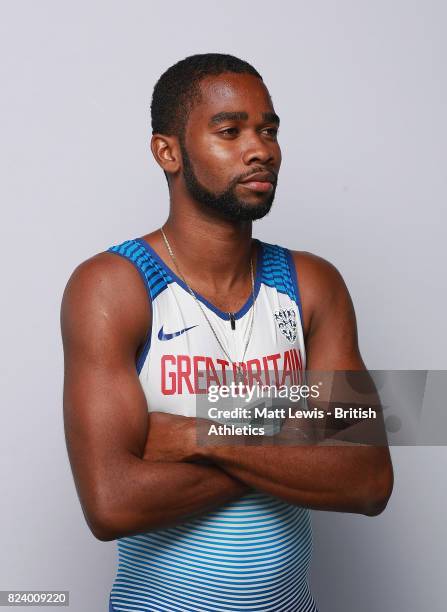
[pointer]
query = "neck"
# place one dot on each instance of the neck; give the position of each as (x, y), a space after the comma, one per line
(217, 250)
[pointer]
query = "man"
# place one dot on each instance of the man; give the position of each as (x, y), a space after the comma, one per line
(213, 527)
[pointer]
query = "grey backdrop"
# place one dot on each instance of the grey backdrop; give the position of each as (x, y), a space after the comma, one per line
(361, 90)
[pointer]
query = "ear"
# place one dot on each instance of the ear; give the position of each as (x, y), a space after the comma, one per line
(166, 152)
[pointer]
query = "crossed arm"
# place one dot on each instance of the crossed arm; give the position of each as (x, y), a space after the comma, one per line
(135, 472)
(104, 319)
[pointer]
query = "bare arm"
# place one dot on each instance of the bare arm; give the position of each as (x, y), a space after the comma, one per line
(105, 315)
(348, 478)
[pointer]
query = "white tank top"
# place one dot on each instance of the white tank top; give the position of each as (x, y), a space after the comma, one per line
(252, 553)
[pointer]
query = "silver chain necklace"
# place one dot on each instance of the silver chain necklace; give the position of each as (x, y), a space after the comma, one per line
(239, 376)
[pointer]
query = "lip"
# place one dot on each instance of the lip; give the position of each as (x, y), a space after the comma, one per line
(260, 181)
(263, 186)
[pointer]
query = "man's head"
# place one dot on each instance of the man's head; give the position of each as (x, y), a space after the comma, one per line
(214, 128)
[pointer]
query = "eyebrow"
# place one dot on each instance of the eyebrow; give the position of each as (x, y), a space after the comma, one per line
(241, 116)
(271, 117)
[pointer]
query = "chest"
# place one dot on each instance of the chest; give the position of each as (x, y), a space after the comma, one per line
(194, 345)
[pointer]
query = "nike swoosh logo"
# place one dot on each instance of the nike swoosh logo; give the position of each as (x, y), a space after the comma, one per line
(163, 336)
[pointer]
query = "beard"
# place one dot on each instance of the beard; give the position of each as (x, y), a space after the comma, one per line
(225, 204)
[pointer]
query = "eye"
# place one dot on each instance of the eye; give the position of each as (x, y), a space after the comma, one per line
(271, 131)
(229, 131)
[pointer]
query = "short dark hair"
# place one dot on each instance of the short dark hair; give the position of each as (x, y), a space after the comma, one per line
(177, 90)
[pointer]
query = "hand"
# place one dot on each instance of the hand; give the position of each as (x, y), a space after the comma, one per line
(171, 438)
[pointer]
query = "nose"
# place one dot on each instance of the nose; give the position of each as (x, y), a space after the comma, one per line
(256, 149)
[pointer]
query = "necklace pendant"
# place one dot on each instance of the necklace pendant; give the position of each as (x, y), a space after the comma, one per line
(239, 375)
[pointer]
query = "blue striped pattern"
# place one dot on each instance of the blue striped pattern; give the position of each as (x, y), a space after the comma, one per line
(154, 276)
(276, 270)
(252, 554)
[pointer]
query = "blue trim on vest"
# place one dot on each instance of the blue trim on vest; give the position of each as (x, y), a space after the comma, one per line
(220, 313)
(294, 275)
(277, 272)
(154, 278)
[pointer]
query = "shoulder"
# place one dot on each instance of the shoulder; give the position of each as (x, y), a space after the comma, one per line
(321, 285)
(104, 275)
(105, 290)
(316, 272)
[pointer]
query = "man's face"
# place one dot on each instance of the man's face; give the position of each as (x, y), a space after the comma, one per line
(230, 138)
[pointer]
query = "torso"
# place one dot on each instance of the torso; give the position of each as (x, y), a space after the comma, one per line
(256, 549)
